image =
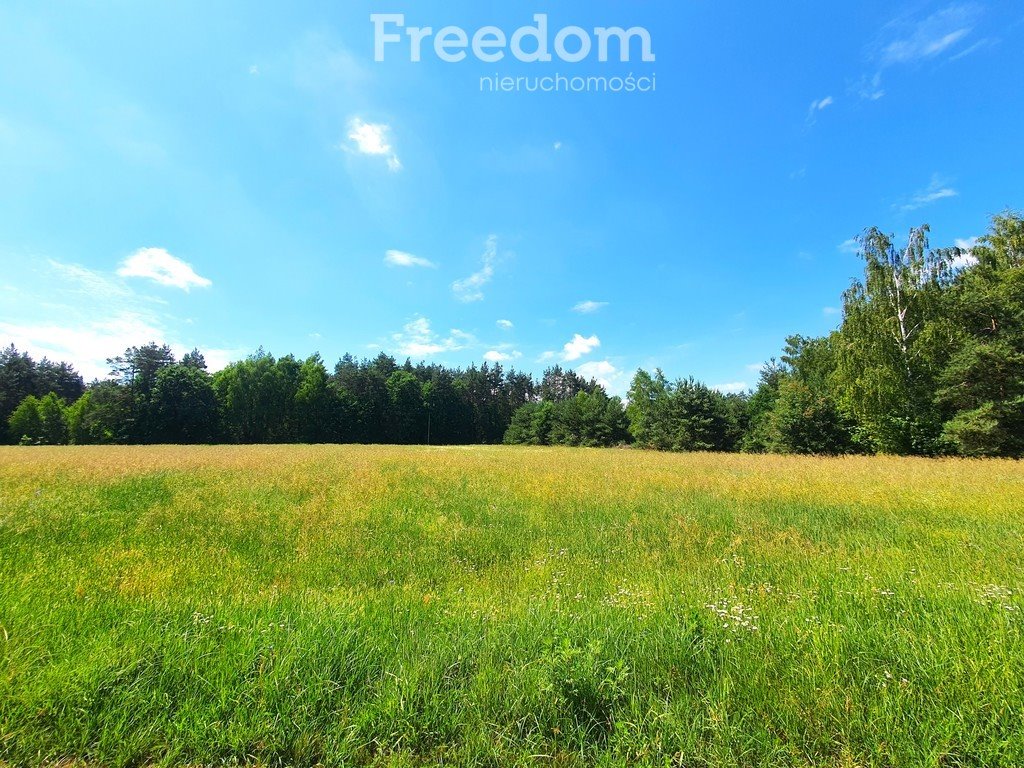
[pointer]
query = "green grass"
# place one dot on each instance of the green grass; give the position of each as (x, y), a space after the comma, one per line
(500, 606)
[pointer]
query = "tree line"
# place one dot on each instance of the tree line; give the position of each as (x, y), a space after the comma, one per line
(928, 360)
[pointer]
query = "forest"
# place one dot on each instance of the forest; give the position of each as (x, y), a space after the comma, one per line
(928, 360)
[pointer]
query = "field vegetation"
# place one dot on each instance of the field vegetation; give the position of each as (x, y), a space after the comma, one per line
(504, 606)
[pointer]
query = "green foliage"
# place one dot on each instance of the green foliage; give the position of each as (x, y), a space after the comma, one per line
(559, 384)
(793, 410)
(806, 422)
(929, 358)
(890, 348)
(683, 416)
(25, 425)
(184, 406)
(100, 416)
(698, 418)
(759, 437)
(991, 429)
(21, 376)
(319, 409)
(531, 424)
(39, 421)
(647, 396)
(981, 388)
(407, 410)
(589, 419)
(136, 370)
(257, 398)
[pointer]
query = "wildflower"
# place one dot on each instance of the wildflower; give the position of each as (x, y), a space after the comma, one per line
(735, 617)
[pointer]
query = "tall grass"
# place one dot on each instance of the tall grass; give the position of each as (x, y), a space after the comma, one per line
(507, 606)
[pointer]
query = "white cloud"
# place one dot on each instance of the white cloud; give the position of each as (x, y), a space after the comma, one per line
(557, 145)
(218, 359)
(403, 259)
(589, 307)
(596, 368)
(505, 325)
(417, 339)
(830, 311)
(579, 346)
(732, 388)
(963, 261)
(470, 288)
(935, 191)
(158, 265)
(755, 367)
(966, 258)
(86, 344)
(374, 139)
(497, 356)
(613, 380)
(851, 246)
(254, 70)
(86, 316)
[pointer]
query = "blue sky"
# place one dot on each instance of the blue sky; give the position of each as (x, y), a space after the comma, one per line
(228, 175)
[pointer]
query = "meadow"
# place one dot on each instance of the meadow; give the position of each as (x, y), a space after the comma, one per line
(495, 606)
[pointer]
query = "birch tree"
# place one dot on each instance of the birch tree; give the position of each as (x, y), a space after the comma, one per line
(891, 342)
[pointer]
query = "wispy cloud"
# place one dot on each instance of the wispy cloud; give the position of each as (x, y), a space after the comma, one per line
(374, 139)
(158, 265)
(851, 246)
(589, 307)
(936, 190)
(320, 65)
(830, 311)
(87, 343)
(817, 106)
(911, 39)
(87, 316)
(870, 88)
(403, 259)
(505, 325)
(97, 285)
(732, 387)
(981, 45)
(469, 289)
(418, 339)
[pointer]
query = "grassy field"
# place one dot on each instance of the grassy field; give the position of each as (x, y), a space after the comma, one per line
(501, 606)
